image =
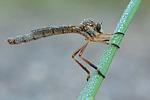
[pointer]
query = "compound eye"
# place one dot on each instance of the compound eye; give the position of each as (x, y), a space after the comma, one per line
(98, 27)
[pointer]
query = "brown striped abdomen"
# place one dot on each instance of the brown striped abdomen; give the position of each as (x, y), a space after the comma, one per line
(43, 32)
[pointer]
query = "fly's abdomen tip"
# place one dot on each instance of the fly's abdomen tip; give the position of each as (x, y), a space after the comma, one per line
(15, 40)
(10, 41)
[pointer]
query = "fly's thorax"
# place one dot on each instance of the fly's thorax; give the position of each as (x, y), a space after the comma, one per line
(89, 27)
(89, 30)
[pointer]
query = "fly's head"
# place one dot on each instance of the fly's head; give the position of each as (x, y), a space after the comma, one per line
(98, 27)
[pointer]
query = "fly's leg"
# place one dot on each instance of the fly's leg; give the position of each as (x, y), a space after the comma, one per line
(83, 67)
(102, 37)
(103, 41)
(108, 34)
(92, 65)
(106, 38)
(119, 33)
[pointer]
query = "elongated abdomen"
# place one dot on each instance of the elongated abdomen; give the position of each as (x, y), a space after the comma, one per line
(42, 32)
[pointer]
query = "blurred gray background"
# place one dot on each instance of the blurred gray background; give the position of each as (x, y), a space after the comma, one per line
(44, 69)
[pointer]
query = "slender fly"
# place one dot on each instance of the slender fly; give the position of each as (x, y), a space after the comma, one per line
(88, 28)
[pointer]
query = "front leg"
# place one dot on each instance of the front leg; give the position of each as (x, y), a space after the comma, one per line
(106, 38)
(108, 34)
(103, 42)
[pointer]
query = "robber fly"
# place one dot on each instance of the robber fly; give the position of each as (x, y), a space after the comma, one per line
(88, 28)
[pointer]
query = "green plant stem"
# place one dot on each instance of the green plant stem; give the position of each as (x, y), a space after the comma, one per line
(92, 86)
